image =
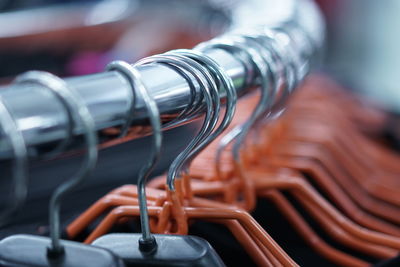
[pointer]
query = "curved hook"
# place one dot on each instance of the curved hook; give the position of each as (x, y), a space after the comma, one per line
(115, 66)
(74, 104)
(129, 115)
(20, 166)
(225, 83)
(203, 82)
(147, 242)
(260, 61)
(241, 45)
(194, 103)
(177, 165)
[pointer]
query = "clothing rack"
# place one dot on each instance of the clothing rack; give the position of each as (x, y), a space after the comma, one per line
(295, 25)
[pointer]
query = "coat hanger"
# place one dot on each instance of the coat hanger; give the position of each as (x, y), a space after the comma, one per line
(125, 196)
(359, 194)
(152, 249)
(250, 47)
(351, 142)
(228, 46)
(364, 141)
(298, 186)
(332, 190)
(307, 124)
(338, 256)
(379, 252)
(381, 255)
(253, 117)
(386, 254)
(382, 184)
(225, 212)
(265, 240)
(231, 102)
(33, 250)
(332, 254)
(224, 122)
(76, 226)
(295, 147)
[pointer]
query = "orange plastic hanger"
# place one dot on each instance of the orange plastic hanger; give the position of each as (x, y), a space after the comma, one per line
(334, 255)
(298, 184)
(125, 196)
(310, 156)
(205, 191)
(199, 213)
(331, 106)
(372, 224)
(372, 181)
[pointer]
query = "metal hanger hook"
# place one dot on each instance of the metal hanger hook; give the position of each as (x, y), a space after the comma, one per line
(81, 115)
(203, 85)
(225, 84)
(116, 66)
(210, 122)
(262, 60)
(238, 45)
(147, 242)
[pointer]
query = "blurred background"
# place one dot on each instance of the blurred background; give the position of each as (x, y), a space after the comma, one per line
(80, 37)
(363, 47)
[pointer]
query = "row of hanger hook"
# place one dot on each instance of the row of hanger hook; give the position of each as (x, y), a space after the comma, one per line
(277, 75)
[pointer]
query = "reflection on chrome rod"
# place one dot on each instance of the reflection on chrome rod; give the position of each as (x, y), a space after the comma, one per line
(292, 29)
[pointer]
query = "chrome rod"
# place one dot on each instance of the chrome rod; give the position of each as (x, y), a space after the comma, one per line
(43, 121)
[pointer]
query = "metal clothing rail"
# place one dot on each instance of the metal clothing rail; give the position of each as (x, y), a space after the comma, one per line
(294, 25)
